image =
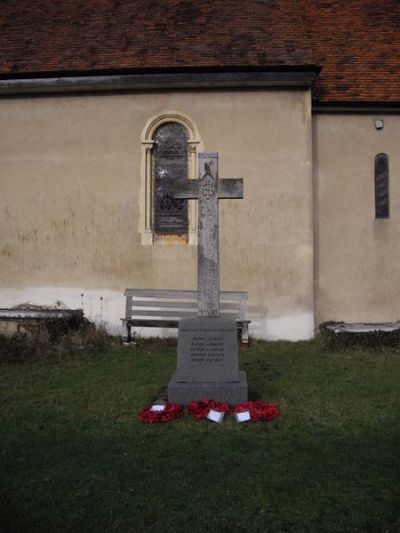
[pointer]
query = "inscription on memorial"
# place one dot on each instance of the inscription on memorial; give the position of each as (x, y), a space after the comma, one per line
(207, 345)
(209, 350)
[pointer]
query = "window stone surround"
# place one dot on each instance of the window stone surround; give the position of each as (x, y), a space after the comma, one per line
(195, 145)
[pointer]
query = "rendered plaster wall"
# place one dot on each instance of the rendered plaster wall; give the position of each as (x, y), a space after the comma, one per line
(70, 208)
(357, 256)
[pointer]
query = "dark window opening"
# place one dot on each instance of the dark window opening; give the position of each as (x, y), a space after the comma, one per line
(381, 186)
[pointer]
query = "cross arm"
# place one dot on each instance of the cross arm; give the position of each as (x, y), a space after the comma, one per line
(185, 189)
(230, 188)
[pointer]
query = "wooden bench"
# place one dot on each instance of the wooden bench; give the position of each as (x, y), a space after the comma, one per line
(164, 308)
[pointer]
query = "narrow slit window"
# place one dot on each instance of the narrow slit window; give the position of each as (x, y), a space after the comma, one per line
(381, 186)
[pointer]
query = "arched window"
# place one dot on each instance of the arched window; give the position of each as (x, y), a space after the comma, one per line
(170, 162)
(170, 143)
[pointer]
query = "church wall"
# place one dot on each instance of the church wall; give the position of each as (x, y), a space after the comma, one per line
(71, 191)
(357, 256)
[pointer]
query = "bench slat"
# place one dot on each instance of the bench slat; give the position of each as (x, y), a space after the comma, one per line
(162, 313)
(178, 314)
(149, 323)
(163, 303)
(159, 322)
(166, 293)
(161, 293)
(177, 305)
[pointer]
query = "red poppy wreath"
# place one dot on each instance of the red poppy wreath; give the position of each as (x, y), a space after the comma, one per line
(201, 408)
(170, 412)
(258, 410)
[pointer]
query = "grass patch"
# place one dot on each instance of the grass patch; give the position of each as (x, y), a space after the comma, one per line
(73, 456)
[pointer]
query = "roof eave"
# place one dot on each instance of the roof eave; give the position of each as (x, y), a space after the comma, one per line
(146, 81)
(357, 106)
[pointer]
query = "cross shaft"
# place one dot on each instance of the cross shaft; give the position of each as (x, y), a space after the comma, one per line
(208, 189)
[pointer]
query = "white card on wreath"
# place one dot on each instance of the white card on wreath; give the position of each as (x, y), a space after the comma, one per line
(157, 407)
(215, 416)
(243, 417)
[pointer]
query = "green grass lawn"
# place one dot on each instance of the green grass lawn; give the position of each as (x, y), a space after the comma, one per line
(74, 457)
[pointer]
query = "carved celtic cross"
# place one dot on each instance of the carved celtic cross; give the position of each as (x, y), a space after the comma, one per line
(208, 189)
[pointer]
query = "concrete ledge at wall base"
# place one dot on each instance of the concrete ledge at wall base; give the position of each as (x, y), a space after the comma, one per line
(28, 320)
(342, 327)
(338, 335)
(22, 313)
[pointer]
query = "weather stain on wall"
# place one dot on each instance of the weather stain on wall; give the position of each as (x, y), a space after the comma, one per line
(30, 235)
(7, 250)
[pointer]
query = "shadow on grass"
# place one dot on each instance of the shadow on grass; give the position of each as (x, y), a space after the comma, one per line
(241, 478)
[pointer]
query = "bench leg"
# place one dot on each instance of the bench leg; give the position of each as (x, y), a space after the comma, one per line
(245, 335)
(128, 333)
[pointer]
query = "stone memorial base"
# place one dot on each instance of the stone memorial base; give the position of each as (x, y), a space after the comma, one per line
(229, 392)
(208, 363)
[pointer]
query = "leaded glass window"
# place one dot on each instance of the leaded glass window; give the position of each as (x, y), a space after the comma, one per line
(381, 186)
(170, 162)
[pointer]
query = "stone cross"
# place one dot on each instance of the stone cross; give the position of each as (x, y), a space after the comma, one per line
(208, 189)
